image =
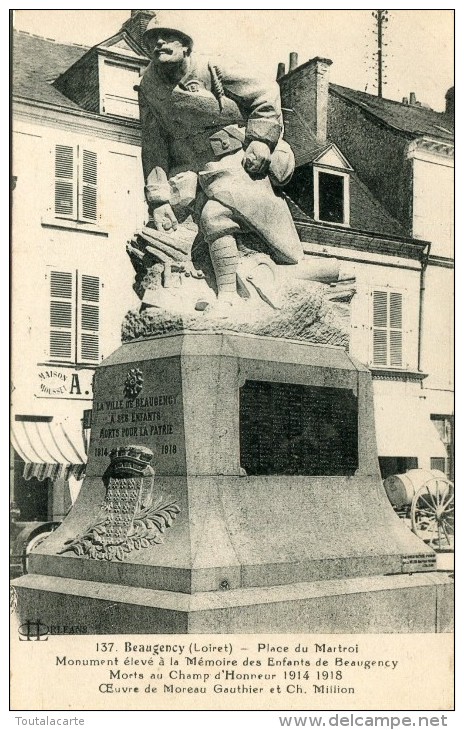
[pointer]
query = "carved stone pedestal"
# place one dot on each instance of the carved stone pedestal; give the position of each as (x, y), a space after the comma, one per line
(233, 486)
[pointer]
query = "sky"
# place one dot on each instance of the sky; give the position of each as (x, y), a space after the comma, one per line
(419, 54)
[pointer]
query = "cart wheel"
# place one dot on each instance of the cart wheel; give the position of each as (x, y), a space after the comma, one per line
(432, 513)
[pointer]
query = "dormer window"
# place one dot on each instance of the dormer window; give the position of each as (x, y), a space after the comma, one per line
(102, 81)
(331, 196)
(331, 187)
(117, 94)
(320, 186)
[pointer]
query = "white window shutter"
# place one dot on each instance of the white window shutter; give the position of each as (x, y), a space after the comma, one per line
(380, 324)
(396, 329)
(62, 316)
(88, 325)
(387, 328)
(65, 204)
(380, 347)
(88, 178)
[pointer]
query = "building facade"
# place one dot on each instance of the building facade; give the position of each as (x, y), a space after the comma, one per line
(410, 169)
(374, 186)
(77, 198)
(373, 196)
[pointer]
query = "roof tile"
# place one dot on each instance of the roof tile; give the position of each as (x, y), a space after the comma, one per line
(411, 120)
(37, 62)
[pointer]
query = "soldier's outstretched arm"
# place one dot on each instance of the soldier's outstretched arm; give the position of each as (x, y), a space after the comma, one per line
(259, 101)
(155, 162)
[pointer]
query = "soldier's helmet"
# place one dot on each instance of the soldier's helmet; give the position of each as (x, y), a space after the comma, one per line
(154, 29)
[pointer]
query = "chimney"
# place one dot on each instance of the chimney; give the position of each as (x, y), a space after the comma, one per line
(412, 99)
(449, 98)
(280, 71)
(136, 25)
(405, 100)
(293, 62)
(306, 92)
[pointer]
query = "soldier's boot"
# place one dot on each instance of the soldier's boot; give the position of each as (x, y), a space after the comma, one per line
(219, 228)
(224, 257)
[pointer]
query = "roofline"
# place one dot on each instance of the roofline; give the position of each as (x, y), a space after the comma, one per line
(374, 96)
(51, 40)
(312, 157)
(369, 112)
(373, 115)
(136, 47)
(104, 52)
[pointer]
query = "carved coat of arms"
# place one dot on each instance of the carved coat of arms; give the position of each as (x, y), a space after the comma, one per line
(131, 517)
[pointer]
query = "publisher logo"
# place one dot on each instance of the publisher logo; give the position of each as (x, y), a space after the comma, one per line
(38, 631)
(33, 631)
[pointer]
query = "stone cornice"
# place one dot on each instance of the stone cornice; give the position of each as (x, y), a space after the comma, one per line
(445, 263)
(361, 240)
(432, 146)
(88, 123)
(435, 145)
(398, 375)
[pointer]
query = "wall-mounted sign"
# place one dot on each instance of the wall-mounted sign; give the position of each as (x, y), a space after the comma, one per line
(57, 382)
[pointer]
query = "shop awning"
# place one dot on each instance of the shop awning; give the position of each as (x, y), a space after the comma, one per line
(404, 429)
(49, 449)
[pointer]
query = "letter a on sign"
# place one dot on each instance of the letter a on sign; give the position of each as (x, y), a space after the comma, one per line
(75, 386)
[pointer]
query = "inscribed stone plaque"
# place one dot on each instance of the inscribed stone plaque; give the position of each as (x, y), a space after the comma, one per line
(298, 429)
(139, 403)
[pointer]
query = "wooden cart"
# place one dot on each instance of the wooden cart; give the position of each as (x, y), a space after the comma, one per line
(427, 499)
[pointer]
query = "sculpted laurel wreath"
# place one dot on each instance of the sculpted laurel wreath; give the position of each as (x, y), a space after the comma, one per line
(147, 529)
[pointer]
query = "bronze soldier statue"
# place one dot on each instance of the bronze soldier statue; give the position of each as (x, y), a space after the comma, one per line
(212, 148)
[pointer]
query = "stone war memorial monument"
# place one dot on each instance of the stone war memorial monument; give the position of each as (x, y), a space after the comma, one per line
(232, 483)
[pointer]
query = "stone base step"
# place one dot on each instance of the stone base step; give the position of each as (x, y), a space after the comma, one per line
(413, 603)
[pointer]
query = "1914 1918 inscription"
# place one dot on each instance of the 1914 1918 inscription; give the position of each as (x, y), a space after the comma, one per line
(298, 429)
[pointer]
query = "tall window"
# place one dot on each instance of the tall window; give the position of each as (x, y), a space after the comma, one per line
(74, 317)
(76, 178)
(387, 328)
